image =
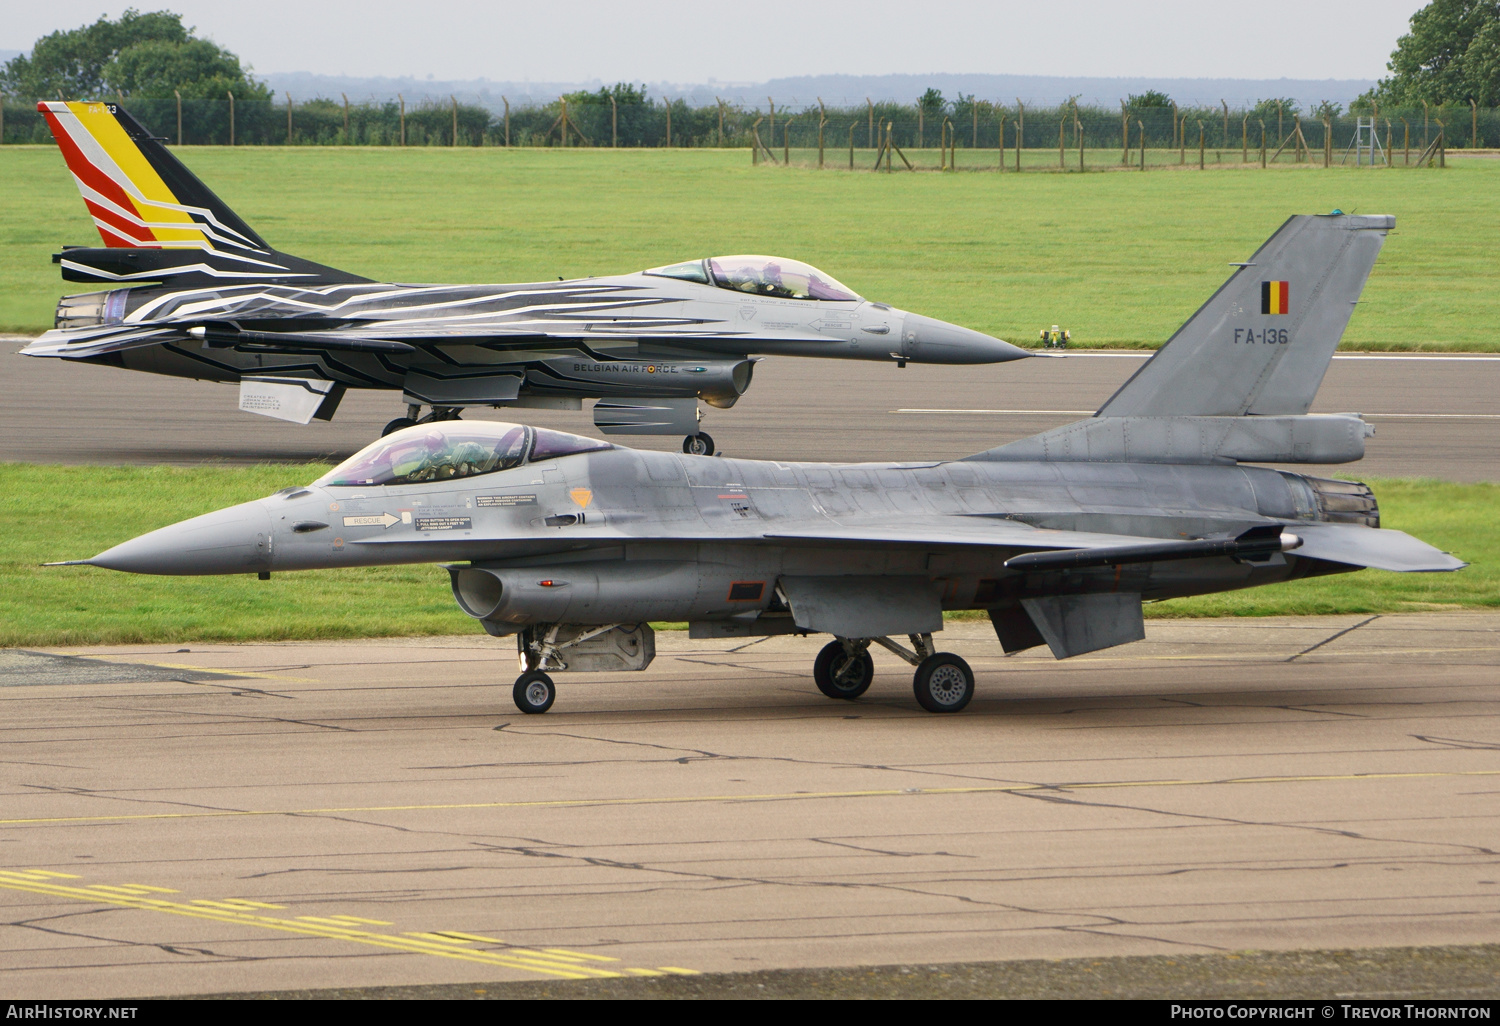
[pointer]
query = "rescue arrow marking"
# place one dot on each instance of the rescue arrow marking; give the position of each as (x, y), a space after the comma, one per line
(385, 520)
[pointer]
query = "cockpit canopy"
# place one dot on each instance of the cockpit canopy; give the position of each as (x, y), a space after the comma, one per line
(450, 449)
(761, 276)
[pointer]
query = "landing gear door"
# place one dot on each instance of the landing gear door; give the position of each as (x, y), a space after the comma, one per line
(298, 400)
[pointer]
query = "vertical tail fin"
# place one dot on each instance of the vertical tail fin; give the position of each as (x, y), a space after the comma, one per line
(139, 194)
(157, 220)
(1262, 343)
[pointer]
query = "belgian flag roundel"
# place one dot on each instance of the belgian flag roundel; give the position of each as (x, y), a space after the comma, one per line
(1275, 296)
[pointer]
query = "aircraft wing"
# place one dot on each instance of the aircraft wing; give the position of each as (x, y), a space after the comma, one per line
(1378, 548)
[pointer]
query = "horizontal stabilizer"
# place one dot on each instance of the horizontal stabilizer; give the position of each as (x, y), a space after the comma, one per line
(1378, 548)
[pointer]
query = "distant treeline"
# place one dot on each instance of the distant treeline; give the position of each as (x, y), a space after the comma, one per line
(591, 120)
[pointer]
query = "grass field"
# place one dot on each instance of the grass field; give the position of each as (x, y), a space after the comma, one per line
(1121, 259)
(57, 513)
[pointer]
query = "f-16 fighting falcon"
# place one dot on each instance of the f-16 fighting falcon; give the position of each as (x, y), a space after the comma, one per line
(573, 545)
(208, 298)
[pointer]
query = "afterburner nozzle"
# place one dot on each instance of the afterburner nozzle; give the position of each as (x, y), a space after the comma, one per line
(927, 340)
(236, 540)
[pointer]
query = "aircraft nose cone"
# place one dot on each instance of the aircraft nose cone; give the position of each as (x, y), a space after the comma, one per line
(928, 340)
(236, 540)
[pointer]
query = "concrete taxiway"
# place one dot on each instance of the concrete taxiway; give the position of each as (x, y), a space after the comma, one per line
(293, 816)
(1435, 416)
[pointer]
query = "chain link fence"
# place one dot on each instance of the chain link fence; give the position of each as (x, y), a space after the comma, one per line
(968, 135)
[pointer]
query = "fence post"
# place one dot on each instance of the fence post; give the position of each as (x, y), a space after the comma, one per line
(1061, 136)
(852, 126)
(952, 146)
(1327, 141)
(772, 131)
(1020, 129)
(1142, 125)
(890, 138)
(1280, 113)
(1200, 144)
(288, 119)
(230, 92)
(179, 115)
(721, 121)
(1174, 122)
(507, 120)
(1262, 144)
(1000, 142)
(921, 128)
(1124, 135)
(755, 142)
(871, 104)
(562, 121)
(1387, 142)
(1245, 140)
(1426, 128)
(1225, 104)
(668, 104)
(403, 118)
(822, 120)
(1078, 135)
(1473, 125)
(455, 118)
(786, 141)
(974, 106)
(1182, 142)
(348, 139)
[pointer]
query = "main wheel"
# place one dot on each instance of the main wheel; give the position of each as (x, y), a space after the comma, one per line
(840, 675)
(943, 683)
(534, 692)
(397, 425)
(700, 444)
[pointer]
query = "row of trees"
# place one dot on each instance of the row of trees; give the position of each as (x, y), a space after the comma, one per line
(180, 86)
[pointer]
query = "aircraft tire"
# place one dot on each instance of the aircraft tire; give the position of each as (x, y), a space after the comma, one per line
(839, 676)
(943, 683)
(701, 444)
(534, 692)
(397, 425)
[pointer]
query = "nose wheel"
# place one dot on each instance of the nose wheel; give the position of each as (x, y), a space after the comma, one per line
(534, 692)
(701, 444)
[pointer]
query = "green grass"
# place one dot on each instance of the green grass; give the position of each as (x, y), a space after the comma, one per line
(1121, 259)
(55, 513)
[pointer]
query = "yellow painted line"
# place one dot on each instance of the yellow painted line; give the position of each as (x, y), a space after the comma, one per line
(469, 937)
(579, 954)
(210, 669)
(243, 903)
(645, 972)
(350, 919)
(148, 889)
(678, 970)
(310, 929)
(889, 792)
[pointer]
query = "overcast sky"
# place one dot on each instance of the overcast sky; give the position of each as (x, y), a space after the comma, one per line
(755, 40)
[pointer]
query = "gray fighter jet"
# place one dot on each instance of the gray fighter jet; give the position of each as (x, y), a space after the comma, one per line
(573, 545)
(206, 297)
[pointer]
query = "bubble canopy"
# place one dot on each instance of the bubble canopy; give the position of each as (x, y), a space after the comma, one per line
(761, 276)
(445, 450)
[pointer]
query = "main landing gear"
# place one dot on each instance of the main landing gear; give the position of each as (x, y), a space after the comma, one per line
(943, 683)
(412, 419)
(701, 444)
